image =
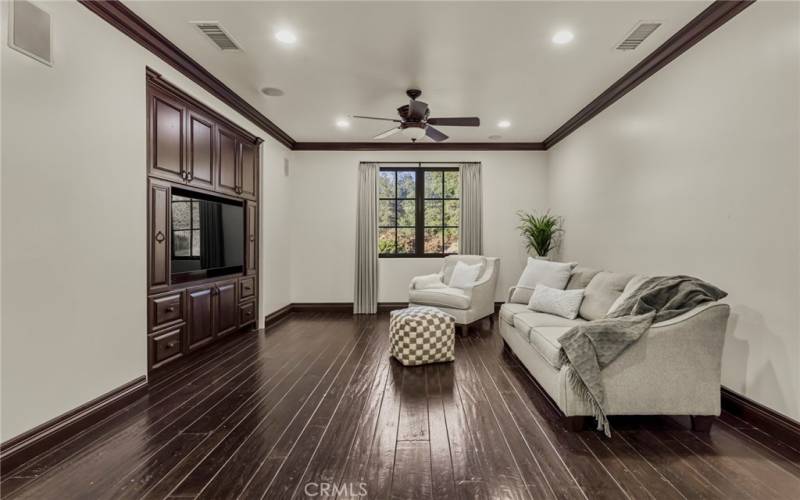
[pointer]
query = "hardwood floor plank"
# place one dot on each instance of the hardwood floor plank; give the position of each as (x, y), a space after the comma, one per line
(777, 451)
(252, 421)
(413, 424)
(501, 473)
(227, 400)
(442, 477)
(285, 481)
(412, 474)
(517, 442)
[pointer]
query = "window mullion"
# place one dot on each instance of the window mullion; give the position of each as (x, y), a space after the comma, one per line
(420, 213)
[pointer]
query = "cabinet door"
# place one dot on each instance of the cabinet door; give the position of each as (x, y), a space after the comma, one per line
(158, 239)
(227, 169)
(200, 325)
(248, 179)
(167, 137)
(251, 242)
(226, 310)
(200, 151)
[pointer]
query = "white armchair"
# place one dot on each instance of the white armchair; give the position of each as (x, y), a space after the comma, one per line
(466, 305)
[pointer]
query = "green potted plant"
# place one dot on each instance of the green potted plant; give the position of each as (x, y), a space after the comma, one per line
(540, 232)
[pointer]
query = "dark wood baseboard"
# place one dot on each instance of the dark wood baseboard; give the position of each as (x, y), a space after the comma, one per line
(276, 317)
(18, 450)
(777, 425)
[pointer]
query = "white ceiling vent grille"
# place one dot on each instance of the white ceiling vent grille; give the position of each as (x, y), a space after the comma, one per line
(217, 35)
(638, 35)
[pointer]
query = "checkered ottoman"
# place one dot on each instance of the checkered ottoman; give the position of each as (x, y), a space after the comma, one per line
(421, 335)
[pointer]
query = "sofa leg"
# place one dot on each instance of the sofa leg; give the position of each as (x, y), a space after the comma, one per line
(702, 423)
(491, 320)
(463, 330)
(577, 423)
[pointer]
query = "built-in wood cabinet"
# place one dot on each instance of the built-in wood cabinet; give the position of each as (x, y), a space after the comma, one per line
(158, 239)
(200, 315)
(225, 320)
(200, 154)
(193, 148)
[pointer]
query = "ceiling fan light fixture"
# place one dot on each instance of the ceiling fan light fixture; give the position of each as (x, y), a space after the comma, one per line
(414, 133)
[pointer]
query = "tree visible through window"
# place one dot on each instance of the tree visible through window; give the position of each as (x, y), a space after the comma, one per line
(418, 211)
(185, 228)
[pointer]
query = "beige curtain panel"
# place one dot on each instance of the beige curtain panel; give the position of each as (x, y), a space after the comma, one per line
(470, 240)
(366, 290)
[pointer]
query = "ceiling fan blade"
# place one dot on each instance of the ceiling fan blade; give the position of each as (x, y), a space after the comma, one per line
(434, 134)
(417, 110)
(388, 133)
(471, 121)
(375, 118)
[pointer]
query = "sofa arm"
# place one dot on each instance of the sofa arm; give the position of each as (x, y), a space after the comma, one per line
(674, 369)
(510, 293)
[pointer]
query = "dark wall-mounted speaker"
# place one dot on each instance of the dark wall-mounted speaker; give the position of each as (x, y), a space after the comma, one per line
(29, 31)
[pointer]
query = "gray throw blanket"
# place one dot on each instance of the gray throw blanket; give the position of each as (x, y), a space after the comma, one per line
(590, 347)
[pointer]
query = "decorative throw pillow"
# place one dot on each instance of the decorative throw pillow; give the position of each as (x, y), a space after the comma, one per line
(564, 303)
(541, 272)
(429, 282)
(464, 276)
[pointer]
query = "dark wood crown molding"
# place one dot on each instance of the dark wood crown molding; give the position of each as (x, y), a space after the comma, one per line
(18, 450)
(714, 16)
(419, 146)
(125, 20)
(121, 17)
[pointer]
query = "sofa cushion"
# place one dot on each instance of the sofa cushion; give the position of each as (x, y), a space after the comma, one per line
(580, 277)
(545, 340)
(631, 287)
(527, 320)
(443, 297)
(509, 310)
(564, 303)
(601, 293)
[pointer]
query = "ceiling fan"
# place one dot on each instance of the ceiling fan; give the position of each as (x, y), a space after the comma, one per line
(415, 124)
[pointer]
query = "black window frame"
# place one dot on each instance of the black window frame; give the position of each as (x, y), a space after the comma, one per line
(419, 209)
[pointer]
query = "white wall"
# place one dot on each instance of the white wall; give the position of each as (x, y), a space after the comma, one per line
(323, 210)
(73, 217)
(697, 171)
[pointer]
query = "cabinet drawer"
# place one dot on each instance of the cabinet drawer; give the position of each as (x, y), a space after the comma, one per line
(165, 346)
(247, 313)
(165, 309)
(247, 288)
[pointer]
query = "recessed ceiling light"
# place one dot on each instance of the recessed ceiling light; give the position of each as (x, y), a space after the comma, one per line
(504, 124)
(563, 37)
(342, 123)
(286, 36)
(272, 91)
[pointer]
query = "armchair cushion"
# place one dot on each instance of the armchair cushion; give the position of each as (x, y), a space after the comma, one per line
(464, 275)
(442, 297)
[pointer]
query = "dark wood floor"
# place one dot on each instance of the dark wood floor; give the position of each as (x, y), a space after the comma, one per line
(315, 407)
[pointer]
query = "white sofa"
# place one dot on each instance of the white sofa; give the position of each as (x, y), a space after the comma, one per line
(467, 305)
(674, 369)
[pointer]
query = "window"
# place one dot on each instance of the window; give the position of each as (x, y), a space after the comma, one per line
(418, 211)
(185, 228)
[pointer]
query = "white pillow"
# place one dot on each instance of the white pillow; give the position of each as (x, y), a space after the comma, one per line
(541, 272)
(428, 282)
(463, 275)
(564, 303)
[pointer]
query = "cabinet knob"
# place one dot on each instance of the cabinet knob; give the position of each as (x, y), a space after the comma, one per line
(170, 308)
(189, 176)
(183, 174)
(160, 237)
(172, 344)
(252, 237)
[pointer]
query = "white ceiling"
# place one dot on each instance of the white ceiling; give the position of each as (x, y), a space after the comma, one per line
(494, 60)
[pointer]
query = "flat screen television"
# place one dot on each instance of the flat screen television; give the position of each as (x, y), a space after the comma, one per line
(207, 236)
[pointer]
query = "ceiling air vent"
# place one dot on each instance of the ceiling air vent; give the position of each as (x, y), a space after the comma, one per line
(217, 34)
(638, 35)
